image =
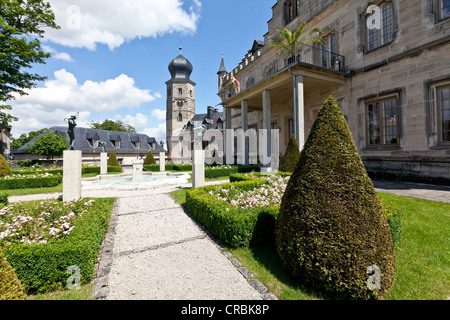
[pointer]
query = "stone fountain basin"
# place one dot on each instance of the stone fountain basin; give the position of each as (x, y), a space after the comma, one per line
(125, 181)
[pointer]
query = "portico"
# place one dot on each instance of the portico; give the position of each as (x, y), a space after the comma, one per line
(283, 101)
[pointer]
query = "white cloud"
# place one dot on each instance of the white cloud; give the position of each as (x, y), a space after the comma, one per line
(49, 105)
(139, 121)
(58, 55)
(113, 22)
(64, 92)
(159, 114)
(159, 132)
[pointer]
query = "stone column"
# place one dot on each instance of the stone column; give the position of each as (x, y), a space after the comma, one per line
(227, 126)
(266, 125)
(162, 161)
(72, 175)
(299, 111)
(103, 163)
(198, 169)
(244, 126)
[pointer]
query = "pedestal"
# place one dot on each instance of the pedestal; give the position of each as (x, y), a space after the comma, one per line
(103, 163)
(71, 175)
(162, 161)
(138, 170)
(198, 169)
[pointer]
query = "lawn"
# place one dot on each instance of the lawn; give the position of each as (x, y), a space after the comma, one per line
(421, 255)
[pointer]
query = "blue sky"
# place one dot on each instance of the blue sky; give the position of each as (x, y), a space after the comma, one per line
(110, 58)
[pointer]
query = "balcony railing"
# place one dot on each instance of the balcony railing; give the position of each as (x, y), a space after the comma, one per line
(270, 65)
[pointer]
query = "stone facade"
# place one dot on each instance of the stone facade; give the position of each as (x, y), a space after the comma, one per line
(403, 69)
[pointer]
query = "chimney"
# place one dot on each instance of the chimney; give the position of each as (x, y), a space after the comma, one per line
(210, 112)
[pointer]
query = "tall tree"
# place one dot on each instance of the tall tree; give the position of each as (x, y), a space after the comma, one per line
(22, 23)
(49, 145)
(24, 139)
(110, 125)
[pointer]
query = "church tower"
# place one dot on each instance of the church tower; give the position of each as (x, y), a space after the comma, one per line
(180, 107)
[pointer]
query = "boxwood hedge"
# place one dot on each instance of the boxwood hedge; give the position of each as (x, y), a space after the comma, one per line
(25, 183)
(233, 226)
(42, 268)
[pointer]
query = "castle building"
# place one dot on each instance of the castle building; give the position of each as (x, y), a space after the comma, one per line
(387, 63)
(180, 111)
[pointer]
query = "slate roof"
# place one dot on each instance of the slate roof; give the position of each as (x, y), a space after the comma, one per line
(83, 134)
(212, 119)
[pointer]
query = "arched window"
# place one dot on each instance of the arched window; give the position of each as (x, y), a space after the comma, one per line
(180, 117)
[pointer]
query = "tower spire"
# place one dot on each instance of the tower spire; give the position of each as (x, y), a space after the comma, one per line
(181, 47)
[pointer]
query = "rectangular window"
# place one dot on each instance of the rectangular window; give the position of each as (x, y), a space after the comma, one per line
(383, 122)
(377, 37)
(327, 56)
(180, 91)
(444, 9)
(443, 104)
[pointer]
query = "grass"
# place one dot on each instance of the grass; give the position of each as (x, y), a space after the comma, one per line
(84, 293)
(18, 192)
(421, 255)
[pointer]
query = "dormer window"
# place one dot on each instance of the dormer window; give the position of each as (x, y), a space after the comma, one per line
(136, 142)
(115, 140)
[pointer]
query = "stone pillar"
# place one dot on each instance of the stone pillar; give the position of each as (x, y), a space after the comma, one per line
(162, 161)
(275, 159)
(229, 147)
(72, 175)
(103, 163)
(138, 170)
(299, 111)
(227, 126)
(266, 125)
(244, 126)
(198, 169)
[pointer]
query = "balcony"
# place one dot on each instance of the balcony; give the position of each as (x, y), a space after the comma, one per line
(269, 64)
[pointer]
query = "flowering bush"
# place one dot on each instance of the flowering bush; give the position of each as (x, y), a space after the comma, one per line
(29, 176)
(267, 194)
(39, 223)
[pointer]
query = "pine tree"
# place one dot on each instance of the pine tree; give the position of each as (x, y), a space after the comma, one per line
(10, 286)
(331, 230)
(149, 159)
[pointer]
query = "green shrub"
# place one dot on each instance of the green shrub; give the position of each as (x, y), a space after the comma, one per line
(30, 183)
(3, 199)
(10, 286)
(182, 167)
(96, 170)
(290, 158)
(29, 172)
(43, 267)
(331, 226)
(112, 160)
(5, 170)
(233, 226)
(149, 159)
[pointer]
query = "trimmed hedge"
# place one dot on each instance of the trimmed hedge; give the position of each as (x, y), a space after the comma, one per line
(111, 169)
(332, 226)
(31, 183)
(5, 170)
(43, 268)
(209, 173)
(233, 226)
(10, 286)
(290, 158)
(28, 172)
(149, 159)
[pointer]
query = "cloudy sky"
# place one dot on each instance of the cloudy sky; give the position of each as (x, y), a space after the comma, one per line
(110, 58)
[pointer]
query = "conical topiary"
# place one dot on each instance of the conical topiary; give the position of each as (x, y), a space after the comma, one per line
(5, 170)
(112, 160)
(331, 229)
(149, 159)
(10, 286)
(290, 159)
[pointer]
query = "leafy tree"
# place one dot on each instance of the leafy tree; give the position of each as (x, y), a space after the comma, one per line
(49, 145)
(112, 160)
(22, 23)
(291, 156)
(24, 139)
(331, 230)
(291, 42)
(110, 125)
